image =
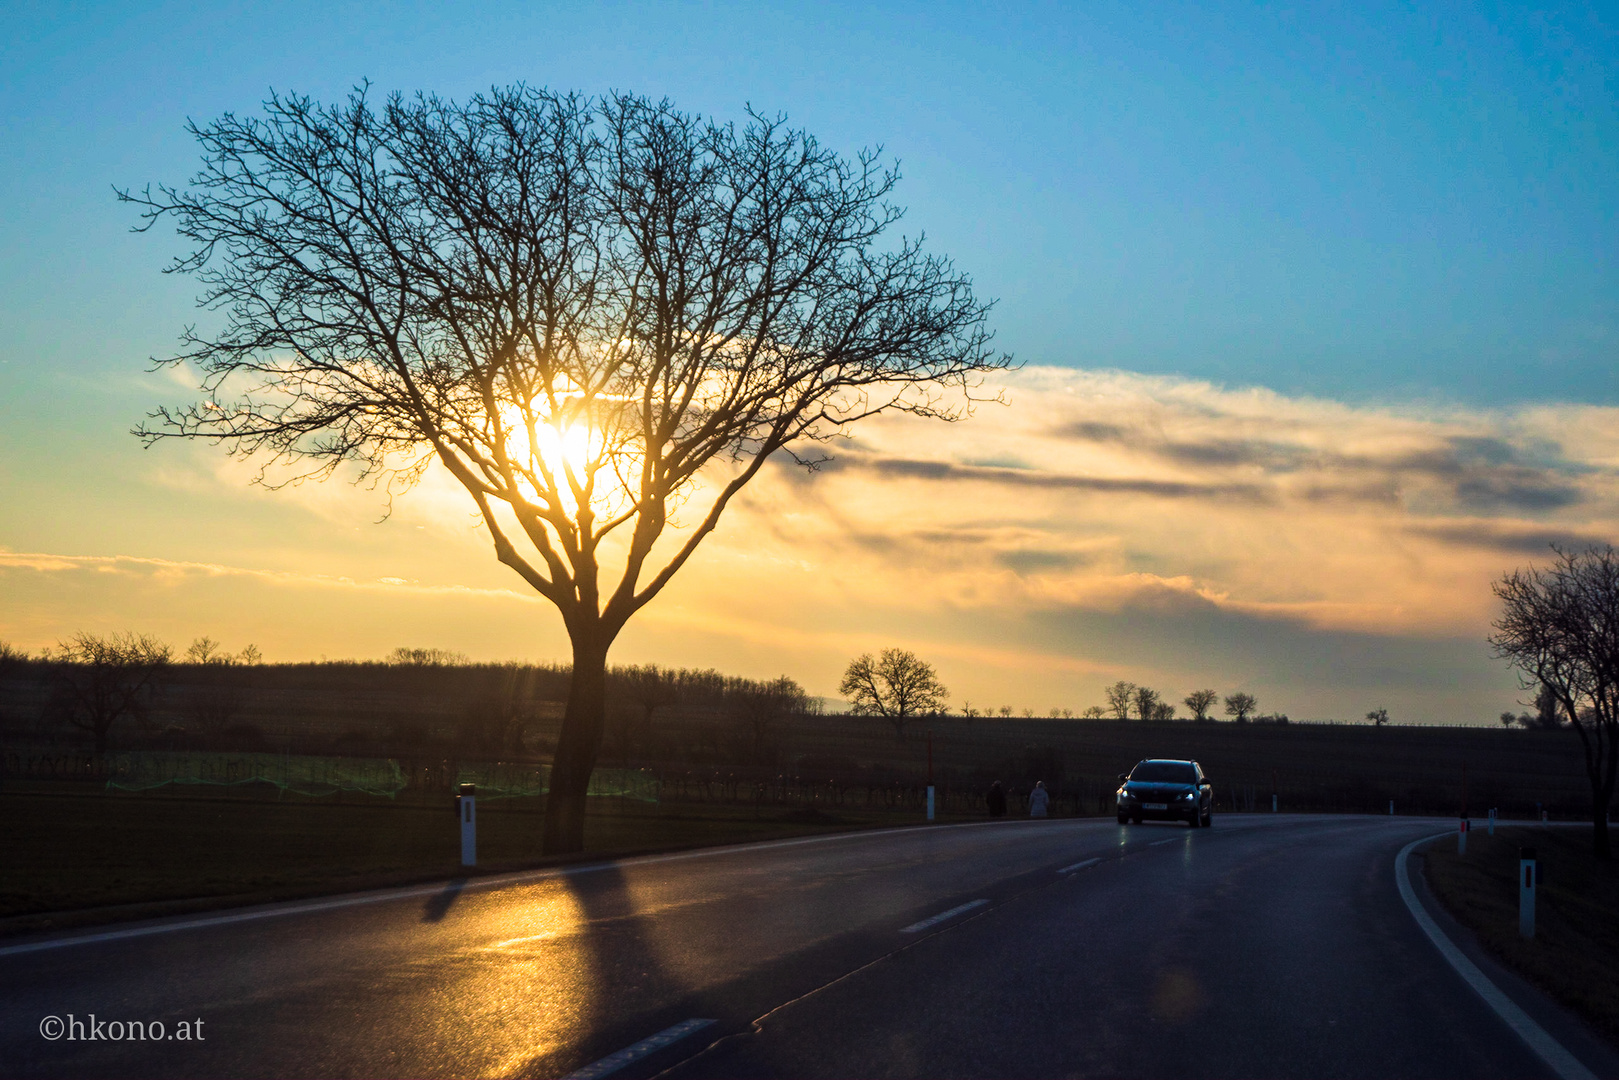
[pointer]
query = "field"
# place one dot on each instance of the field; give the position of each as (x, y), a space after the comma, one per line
(73, 845)
(75, 856)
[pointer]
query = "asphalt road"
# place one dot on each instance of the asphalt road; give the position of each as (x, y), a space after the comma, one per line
(1265, 946)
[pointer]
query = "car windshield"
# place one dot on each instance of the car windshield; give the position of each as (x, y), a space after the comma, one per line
(1164, 772)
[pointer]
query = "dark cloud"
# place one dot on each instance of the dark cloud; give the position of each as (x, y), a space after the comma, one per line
(1507, 539)
(1481, 473)
(1030, 561)
(1521, 489)
(1169, 489)
(1093, 431)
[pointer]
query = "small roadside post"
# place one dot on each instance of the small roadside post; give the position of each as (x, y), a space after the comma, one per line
(466, 811)
(1528, 878)
(1391, 808)
(1274, 797)
(1461, 834)
(1491, 825)
(930, 774)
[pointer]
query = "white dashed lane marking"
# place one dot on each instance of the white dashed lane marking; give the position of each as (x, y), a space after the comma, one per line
(1079, 866)
(942, 916)
(652, 1044)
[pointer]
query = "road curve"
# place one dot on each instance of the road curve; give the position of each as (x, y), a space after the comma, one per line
(1270, 945)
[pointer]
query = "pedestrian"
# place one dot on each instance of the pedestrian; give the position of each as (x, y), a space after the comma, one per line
(1038, 799)
(996, 799)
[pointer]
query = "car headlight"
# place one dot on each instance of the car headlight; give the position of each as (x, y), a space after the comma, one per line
(1190, 795)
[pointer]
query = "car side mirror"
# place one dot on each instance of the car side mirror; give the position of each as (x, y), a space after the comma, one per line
(1123, 776)
(1205, 782)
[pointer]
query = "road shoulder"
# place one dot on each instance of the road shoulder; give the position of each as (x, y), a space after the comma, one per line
(1566, 1031)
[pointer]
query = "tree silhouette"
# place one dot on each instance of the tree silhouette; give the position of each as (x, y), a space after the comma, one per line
(1559, 627)
(898, 686)
(1240, 705)
(589, 312)
(1200, 701)
(1378, 716)
(101, 680)
(1119, 698)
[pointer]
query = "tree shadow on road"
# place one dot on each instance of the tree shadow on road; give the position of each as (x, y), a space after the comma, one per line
(438, 905)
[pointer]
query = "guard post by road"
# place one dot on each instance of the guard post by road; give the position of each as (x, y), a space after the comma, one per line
(930, 775)
(466, 811)
(1461, 837)
(1528, 881)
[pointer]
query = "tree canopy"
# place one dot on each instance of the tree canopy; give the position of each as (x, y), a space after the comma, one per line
(1559, 627)
(590, 312)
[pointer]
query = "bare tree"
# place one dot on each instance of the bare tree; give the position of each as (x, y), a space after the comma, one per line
(1240, 705)
(1200, 701)
(1559, 627)
(1378, 716)
(411, 657)
(101, 680)
(11, 657)
(205, 650)
(898, 686)
(762, 707)
(580, 308)
(1119, 697)
(1146, 702)
(1163, 710)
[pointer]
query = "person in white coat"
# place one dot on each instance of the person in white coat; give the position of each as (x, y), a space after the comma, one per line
(1039, 798)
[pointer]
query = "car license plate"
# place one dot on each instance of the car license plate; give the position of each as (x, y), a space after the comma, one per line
(1155, 806)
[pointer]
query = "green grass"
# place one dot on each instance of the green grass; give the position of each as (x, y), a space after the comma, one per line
(1575, 952)
(86, 852)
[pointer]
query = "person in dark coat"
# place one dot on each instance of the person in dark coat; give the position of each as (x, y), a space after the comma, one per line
(996, 799)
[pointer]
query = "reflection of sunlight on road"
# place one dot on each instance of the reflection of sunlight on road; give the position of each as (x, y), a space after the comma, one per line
(495, 1018)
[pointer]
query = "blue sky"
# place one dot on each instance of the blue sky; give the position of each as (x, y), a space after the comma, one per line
(1388, 208)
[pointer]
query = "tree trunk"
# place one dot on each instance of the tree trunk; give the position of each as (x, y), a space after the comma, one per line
(578, 744)
(1602, 781)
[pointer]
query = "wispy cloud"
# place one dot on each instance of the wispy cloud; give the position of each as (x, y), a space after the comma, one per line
(1102, 525)
(176, 571)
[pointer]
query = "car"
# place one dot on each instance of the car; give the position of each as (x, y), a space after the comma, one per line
(1166, 789)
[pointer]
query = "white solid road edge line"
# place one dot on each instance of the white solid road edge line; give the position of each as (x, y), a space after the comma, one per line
(1552, 1052)
(1079, 865)
(651, 1044)
(942, 916)
(283, 908)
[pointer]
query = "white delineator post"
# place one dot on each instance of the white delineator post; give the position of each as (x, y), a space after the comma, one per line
(1391, 808)
(1461, 837)
(1528, 870)
(466, 807)
(1492, 821)
(930, 775)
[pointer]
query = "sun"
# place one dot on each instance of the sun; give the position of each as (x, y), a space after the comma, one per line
(566, 452)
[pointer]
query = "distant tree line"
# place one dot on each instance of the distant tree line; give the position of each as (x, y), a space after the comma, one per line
(102, 686)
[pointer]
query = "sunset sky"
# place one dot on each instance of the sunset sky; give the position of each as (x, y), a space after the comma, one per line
(1318, 310)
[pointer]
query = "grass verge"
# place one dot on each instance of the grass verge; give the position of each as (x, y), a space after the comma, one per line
(1575, 952)
(79, 858)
